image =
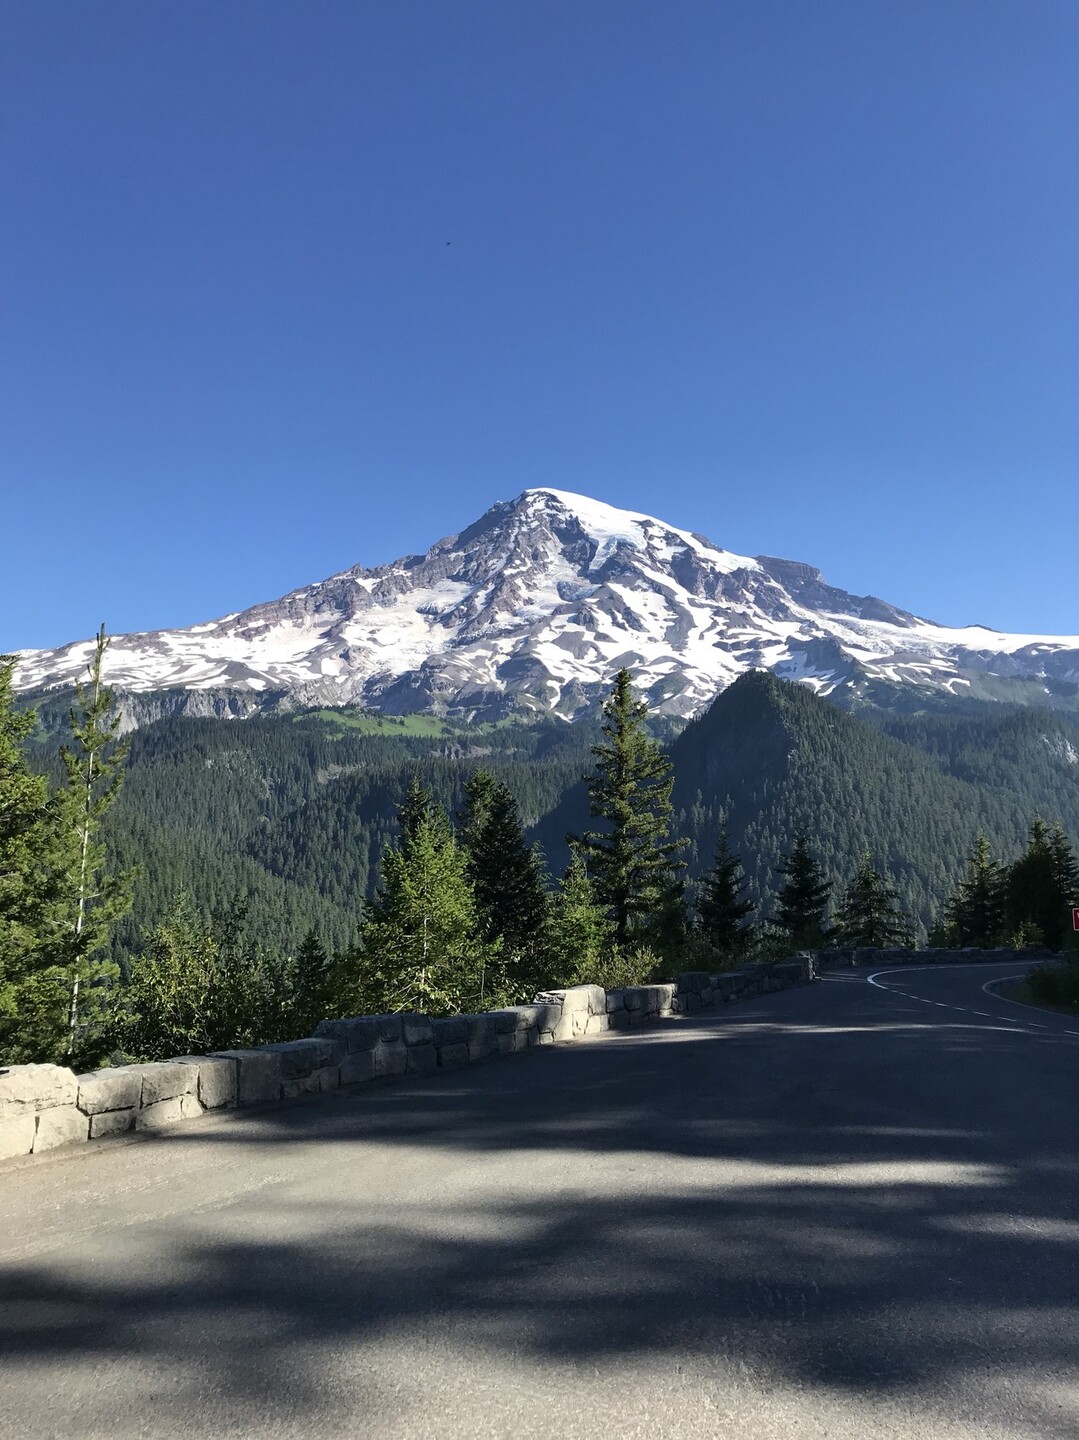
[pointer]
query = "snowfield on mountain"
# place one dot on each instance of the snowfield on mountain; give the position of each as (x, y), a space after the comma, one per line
(538, 604)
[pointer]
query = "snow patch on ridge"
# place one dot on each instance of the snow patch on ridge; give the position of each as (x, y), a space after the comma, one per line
(537, 604)
(610, 526)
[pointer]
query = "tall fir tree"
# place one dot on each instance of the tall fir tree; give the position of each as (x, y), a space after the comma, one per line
(419, 947)
(869, 914)
(974, 914)
(665, 931)
(314, 985)
(1030, 880)
(1042, 886)
(94, 898)
(803, 898)
(414, 809)
(29, 983)
(1065, 867)
(633, 862)
(723, 907)
(479, 795)
(508, 884)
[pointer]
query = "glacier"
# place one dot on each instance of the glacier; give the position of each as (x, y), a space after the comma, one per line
(536, 605)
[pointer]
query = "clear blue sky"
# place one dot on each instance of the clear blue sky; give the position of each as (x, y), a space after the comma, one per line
(291, 286)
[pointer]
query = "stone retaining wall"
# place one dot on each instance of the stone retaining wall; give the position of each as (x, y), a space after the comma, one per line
(45, 1106)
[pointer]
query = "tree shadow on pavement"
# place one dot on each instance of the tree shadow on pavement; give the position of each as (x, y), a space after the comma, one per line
(865, 1210)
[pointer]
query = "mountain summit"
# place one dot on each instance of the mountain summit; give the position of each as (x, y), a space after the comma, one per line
(537, 604)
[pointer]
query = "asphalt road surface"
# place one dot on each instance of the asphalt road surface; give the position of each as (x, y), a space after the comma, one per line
(848, 1210)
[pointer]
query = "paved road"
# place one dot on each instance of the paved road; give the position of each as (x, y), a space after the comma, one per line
(850, 1210)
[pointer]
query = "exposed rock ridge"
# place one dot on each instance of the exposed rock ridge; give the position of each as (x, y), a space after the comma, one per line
(535, 606)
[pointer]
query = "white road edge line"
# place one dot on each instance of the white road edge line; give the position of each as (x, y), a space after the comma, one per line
(1003, 980)
(1021, 1003)
(941, 1004)
(910, 969)
(963, 1009)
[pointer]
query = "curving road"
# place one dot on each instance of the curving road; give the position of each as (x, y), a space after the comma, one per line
(850, 1210)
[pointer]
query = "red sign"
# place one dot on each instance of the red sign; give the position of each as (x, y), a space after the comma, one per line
(1075, 918)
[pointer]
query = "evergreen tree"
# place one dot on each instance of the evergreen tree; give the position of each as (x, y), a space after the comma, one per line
(974, 915)
(419, 948)
(30, 989)
(415, 809)
(940, 935)
(870, 915)
(1065, 867)
(665, 931)
(479, 796)
(579, 935)
(507, 882)
(802, 899)
(314, 985)
(1042, 885)
(722, 906)
(631, 863)
(93, 899)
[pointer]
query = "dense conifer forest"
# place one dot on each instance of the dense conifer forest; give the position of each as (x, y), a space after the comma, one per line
(771, 760)
(287, 816)
(280, 857)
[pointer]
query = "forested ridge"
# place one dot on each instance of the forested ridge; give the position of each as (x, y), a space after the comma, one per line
(911, 790)
(772, 760)
(290, 814)
(287, 817)
(253, 876)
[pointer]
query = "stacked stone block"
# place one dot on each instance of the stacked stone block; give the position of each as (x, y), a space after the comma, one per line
(582, 1010)
(697, 990)
(43, 1107)
(639, 1005)
(37, 1098)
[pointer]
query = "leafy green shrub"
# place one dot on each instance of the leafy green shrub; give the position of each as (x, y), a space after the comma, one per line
(198, 985)
(1025, 936)
(772, 945)
(619, 968)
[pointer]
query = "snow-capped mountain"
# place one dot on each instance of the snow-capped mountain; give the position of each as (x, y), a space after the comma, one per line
(537, 605)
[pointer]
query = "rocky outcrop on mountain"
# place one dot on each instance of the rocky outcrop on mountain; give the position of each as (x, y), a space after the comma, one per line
(535, 606)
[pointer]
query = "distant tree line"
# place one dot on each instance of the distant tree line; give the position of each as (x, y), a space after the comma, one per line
(463, 916)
